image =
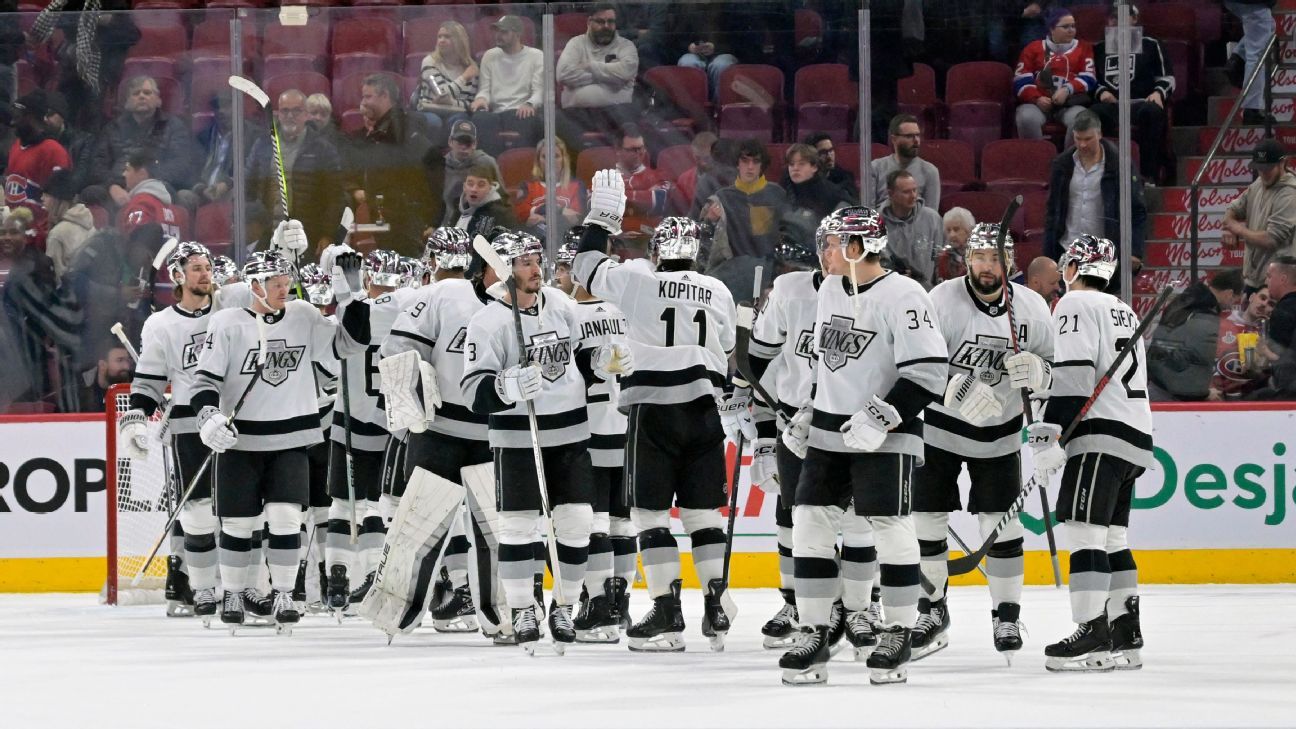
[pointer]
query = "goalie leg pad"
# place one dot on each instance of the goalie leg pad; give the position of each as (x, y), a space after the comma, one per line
(400, 592)
(401, 379)
(484, 578)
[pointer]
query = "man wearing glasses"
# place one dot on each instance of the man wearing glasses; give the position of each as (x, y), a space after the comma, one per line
(842, 178)
(597, 72)
(1055, 77)
(906, 138)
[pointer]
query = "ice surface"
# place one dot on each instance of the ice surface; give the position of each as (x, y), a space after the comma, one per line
(1216, 656)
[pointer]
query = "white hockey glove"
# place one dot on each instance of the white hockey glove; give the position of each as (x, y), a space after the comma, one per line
(867, 429)
(607, 200)
(973, 399)
(613, 359)
(400, 379)
(1046, 447)
(132, 431)
(290, 237)
(518, 383)
(1027, 369)
(346, 277)
(764, 466)
(216, 430)
(735, 415)
(796, 436)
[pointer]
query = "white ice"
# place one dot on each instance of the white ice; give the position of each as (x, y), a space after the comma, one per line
(1216, 656)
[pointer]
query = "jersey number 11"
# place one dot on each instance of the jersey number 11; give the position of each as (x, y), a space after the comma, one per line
(668, 316)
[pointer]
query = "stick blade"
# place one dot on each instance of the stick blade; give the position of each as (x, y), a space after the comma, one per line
(239, 83)
(492, 258)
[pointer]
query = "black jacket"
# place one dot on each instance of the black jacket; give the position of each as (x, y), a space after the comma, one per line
(1059, 203)
(496, 212)
(387, 161)
(165, 136)
(315, 194)
(1182, 355)
(1152, 71)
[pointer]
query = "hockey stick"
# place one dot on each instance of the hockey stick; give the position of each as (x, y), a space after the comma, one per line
(346, 445)
(246, 86)
(963, 546)
(967, 562)
(504, 272)
(738, 454)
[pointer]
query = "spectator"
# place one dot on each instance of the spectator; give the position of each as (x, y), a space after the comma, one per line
(79, 145)
(71, 223)
(906, 138)
(511, 88)
(747, 216)
(1043, 277)
(481, 207)
(1281, 282)
(1234, 379)
(951, 262)
(1182, 354)
(686, 184)
(145, 126)
(461, 156)
(708, 49)
(1084, 194)
(1152, 86)
(387, 176)
(597, 71)
(645, 26)
(90, 63)
(1055, 77)
(720, 174)
(319, 115)
(1262, 220)
(34, 155)
(447, 77)
(216, 147)
(810, 196)
(647, 191)
(6, 132)
(828, 157)
(312, 168)
(914, 231)
(115, 367)
(1258, 25)
(570, 194)
(148, 200)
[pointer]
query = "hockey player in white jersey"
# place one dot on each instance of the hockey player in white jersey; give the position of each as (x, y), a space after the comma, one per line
(1100, 461)
(881, 361)
(262, 466)
(549, 380)
(682, 330)
(979, 424)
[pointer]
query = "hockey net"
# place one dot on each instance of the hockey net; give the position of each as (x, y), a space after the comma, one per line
(140, 499)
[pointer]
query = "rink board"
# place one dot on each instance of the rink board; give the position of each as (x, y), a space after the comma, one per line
(1216, 506)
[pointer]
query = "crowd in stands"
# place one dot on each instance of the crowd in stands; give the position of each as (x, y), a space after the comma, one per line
(118, 134)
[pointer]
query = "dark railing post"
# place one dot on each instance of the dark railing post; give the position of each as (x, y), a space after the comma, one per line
(1193, 245)
(1268, 61)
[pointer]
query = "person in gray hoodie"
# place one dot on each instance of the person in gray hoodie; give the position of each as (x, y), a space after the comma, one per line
(1262, 221)
(462, 155)
(72, 223)
(915, 232)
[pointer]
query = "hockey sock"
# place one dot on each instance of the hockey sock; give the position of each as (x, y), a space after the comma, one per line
(783, 518)
(599, 566)
(176, 545)
(1090, 573)
(456, 553)
(235, 551)
(259, 569)
(1124, 573)
(282, 543)
(706, 529)
(372, 532)
(517, 532)
(319, 531)
(571, 524)
(337, 545)
(814, 555)
(932, 528)
(625, 551)
(658, 549)
(200, 543)
(898, 553)
(858, 562)
(1005, 562)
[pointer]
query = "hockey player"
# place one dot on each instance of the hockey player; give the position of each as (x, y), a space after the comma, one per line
(682, 330)
(979, 424)
(1099, 462)
(262, 462)
(551, 375)
(881, 361)
(224, 271)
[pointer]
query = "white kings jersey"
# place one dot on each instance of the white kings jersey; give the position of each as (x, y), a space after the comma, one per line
(1092, 327)
(368, 421)
(281, 410)
(233, 295)
(682, 327)
(436, 326)
(888, 347)
(552, 335)
(784, 335)
(326, 386)
(603, 323)
(976, 334)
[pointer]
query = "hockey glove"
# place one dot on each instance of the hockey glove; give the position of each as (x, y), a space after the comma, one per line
(518, 383)
(291, 238)
(613, 359)
(132, 430)
(867, 429)
(401, 379)
(607, 200)
(1046, 447)
(215, 430)
(1027, 369)
(764, 466)
(796, 436)
(974, 400)
(735, 415)
(346, 276)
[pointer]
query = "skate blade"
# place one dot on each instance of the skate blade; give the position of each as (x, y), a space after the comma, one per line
(529, 647)
(812, 676)
(883, 676)
(772, 642)
(256, 621)
(1008, 656)
(603, 634)
(207, 621)
(717, 641)
(179, 610)
(664, 643)
(317, 608)
(501, 639)
(1129, 660)
(560, 648)
(939, 644)
(284, 629)
(1096, 662)
(862, 652)
(461, 624)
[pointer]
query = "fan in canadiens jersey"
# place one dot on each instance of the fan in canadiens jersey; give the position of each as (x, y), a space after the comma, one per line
(979, 424)
(1100, 461)
(881, 361)
(262, 468)
(550, 380)
(782, 345)
(682, 330)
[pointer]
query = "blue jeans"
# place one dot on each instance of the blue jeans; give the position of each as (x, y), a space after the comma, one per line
(1257, 26)
(713, 68)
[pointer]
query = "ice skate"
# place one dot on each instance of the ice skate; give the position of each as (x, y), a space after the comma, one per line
(889, 661)
(619, 596)
(526, 629)
(780, 631)
(931, 632)
(597, 621)
(715, 618)
(299, 587)
(1127, 637)
(836, 627)
(205, 605)
(457, 614)
(179, 596)
(286, 614)
(1087, 649)
(662, 629)
(232, 610)
(806, 664)
(860, 633)
(358, 594)
(441, 589)
(561, 629)
(260, 607)
(338, 596)
(1007, 629)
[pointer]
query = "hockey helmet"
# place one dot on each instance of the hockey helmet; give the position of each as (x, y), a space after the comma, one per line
(983, 238)
(676, 239)
(264, 265)
(382, 268)
(412, 271)
(514, 245)
(1093, 256)
(317, 283)
(861, 223)
(450, 247)
(792, 252)
(570, 244)
(224, 270)
(179, 258)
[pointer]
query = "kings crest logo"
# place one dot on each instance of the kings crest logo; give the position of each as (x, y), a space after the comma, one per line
(456, 345)
(550, 353)
(805, 344)
(840, 342)
(983, 358)
(281, 361)
(189, 355)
